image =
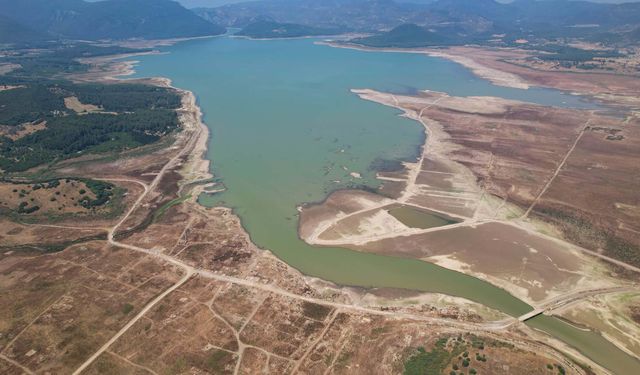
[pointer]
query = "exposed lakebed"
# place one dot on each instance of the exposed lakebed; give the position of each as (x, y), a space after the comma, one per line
(285, 130)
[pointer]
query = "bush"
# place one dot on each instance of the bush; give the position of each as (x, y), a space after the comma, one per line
(127, 308)
(23, 209)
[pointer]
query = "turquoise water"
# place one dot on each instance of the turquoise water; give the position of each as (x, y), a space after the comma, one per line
(285, 130)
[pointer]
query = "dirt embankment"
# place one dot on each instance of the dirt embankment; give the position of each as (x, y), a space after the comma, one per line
(617, 90)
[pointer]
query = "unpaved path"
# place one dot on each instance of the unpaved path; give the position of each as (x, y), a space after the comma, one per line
(557, 171)
(21, 367)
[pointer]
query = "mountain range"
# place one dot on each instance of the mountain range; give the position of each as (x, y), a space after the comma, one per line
(113, 19)
(461, 20)
(391, 22)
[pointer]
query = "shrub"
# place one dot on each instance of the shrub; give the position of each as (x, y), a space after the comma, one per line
(127, 308)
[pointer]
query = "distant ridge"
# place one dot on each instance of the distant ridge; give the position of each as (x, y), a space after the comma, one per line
(461, 21)
(110, 19)
(405, 36)
(270, 29)
(12, 32)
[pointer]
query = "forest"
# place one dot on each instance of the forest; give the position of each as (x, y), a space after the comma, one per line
(134, 115)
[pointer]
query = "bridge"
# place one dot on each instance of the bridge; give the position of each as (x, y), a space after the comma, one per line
(567, 299)
(530, 315)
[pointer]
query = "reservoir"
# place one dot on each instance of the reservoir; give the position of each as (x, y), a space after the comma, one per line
(286, 130)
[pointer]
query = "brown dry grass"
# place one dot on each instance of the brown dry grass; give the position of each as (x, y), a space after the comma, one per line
(57, 310)
(62, 199)
(16, 132)
(74, 104)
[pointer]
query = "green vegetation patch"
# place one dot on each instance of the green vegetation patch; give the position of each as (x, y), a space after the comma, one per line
(408, 36)
(28, 104)
(127, 308)
(216, 361)
(165, 207)
(434, 361)
(315, 311)
(46, 59)
(102, 190)
(135, 115)
(127, 97)
(557, 52)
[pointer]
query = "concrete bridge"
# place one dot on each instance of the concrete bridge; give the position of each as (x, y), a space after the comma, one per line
(531, 314)
(567, 299)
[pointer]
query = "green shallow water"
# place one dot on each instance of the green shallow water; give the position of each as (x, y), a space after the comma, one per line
(590, 343)
(415, 218)
(286, 130)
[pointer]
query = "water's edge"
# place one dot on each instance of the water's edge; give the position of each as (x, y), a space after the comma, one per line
(383, 271)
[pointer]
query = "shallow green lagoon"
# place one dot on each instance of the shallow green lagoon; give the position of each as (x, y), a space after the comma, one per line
(415, 218)
(286, 130)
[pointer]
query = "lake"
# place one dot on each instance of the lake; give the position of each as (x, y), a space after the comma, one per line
(286, 130)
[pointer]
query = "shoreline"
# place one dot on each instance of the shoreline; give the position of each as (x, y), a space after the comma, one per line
(494, 76)
(235, 36)
(616, 92)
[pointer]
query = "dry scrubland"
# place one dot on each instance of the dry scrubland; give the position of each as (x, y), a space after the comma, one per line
(266, 317)
(64, 198)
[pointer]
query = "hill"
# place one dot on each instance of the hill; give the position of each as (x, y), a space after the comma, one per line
(406, 36)
(360, 15)
(14, 32)
(112, 19)
(464, 20)
(270, 29)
